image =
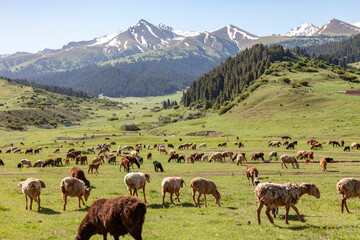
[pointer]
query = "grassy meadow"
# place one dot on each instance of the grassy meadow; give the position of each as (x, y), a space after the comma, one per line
(273, 110)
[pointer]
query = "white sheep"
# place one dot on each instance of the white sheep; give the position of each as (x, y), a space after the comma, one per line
(135, 154)
(354, 145)
(32, 187)
(73, 187)
(348, 188)
(171, 185)
(172, 151)
(135, 181)
(288, 159)
(204, 186)
(274, 195)
(272, 154)
(204, 158)
(202, 145)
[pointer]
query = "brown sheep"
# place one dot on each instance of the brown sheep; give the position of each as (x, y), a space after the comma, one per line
(124, 162)
(32, 187)
(257, 155)
(93, 166)
(78, 173)
(174, 156)
(323, 164)
(73, 187)
(288, 159)
(274, 195)
(204, 186)
(251, 172)
(49, 161)
(171, 185)
(38, 163)
(117, 216)
(148, 156)
(58, 160)
(348, 188)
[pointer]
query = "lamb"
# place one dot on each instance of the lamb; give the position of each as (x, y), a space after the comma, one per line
(32, 187)
(323, 164)
(274, 195)
(117, 216)
(204, 186)
(78, 173)
(93, 166)
(273, 154)
(135, 181)
(251, 172)
(348, 188)
(171, 185)
(288, 159)
(158, 166)
(202, 145)
(74, 187)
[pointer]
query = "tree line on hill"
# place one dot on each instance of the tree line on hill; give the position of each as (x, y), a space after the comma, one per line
(54, 89)
(339, 53)
(225, 82)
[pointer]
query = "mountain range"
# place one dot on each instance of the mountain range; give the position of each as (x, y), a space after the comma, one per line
(161, 44)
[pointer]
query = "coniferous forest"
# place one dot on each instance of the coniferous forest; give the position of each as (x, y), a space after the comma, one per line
(231, 78)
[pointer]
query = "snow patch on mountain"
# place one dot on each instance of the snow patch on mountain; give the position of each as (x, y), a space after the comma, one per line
(233, 31)
(305, 29)
(356, 24)
(105, 39)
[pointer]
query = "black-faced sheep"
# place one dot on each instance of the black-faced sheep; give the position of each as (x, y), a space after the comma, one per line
(348, 188)
(158, 166)
(135, 181)
(204, 186)
(274, 195)
(32, 187)
(117, 216)
(73, 187)
(171, 185)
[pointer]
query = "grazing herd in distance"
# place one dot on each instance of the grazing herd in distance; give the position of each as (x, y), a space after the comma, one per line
(271, 195)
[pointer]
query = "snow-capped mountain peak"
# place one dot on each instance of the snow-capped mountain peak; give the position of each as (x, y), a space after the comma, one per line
(305, 29)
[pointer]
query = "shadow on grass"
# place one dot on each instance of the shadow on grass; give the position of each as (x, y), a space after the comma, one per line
(167, 205)
(85, 209)
(48, 211)
(232, 208)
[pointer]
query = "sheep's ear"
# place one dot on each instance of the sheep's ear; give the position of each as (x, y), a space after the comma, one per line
(42, 183)
(89, 189)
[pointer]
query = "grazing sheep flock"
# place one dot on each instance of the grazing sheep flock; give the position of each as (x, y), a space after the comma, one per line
(126, 214)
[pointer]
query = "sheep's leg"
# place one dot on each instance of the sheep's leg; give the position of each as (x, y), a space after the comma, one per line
(171, 198)
(26, 200)
(259, 211)
(205, 200)
(193, 195)
(198, 200)
(287, 214)
(144, 194)
(65, 201)
(31, 200)
(269, 215)
(298, 214)
(163, 199)
(285, 165)
(38, 203)
(346, 206)
(177, 196)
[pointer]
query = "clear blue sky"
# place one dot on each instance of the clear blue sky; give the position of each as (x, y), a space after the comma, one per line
(32, 25)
